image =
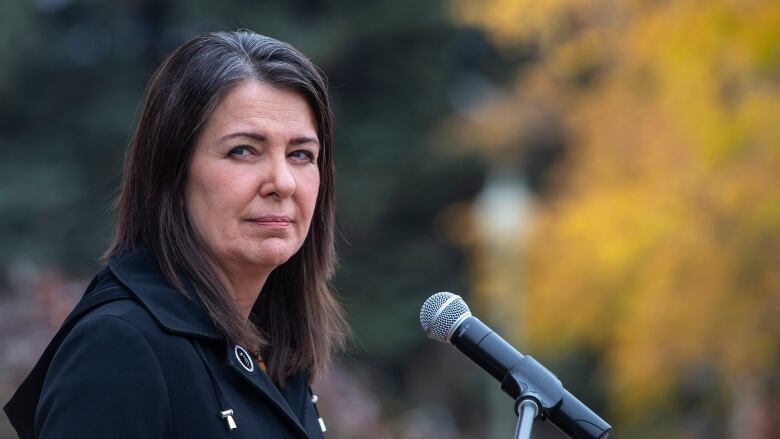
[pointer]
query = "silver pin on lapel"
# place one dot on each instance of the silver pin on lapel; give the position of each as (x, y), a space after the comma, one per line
(227, 415)
(244, 359)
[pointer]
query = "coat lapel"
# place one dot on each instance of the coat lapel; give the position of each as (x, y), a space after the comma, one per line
(262, 383)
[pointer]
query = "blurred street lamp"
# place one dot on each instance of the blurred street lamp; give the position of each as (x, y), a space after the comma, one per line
(503, 208)
(502, 215)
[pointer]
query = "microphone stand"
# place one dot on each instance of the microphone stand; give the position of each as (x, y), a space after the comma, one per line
(526, 410)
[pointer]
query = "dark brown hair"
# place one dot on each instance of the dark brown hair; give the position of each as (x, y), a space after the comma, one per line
(296, 321)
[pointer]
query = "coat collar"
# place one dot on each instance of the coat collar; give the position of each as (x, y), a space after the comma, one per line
(178, 314)
(139, 272)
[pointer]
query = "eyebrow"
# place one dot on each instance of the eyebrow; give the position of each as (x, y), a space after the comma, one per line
(300, 140)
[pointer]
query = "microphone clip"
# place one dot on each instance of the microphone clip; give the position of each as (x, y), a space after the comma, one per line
(528, 379)
(539, 394)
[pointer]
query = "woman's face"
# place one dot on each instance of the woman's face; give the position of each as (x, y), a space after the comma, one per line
(253, 179)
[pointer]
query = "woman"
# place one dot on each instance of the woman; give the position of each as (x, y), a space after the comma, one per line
(213, 313)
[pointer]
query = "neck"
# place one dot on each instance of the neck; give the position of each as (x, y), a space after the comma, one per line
(244, 288)
(245, 294)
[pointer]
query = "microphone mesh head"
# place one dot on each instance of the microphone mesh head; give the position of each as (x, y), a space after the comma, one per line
(440, 313)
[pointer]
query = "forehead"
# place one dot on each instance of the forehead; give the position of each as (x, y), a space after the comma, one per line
(256, 105)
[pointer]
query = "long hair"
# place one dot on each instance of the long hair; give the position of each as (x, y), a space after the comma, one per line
(296, 321)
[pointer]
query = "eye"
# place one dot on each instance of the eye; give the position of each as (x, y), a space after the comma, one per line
(303, 155)
(240, 151)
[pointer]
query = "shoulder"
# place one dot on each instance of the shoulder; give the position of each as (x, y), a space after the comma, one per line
(104, 377)
(123, 315)
(114, 330)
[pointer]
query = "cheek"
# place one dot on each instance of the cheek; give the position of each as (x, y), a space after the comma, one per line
(197, 204)
(309, 188)
(212, 198)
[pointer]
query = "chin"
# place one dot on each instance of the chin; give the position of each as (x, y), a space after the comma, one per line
(273, 262)
(272, 256)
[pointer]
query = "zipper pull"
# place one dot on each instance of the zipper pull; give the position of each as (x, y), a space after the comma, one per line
(314, 400)
(227, 415)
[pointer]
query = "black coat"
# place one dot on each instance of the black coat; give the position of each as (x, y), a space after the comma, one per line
(137, 359)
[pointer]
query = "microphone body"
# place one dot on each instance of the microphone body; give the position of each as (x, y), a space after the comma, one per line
(520, 375)
(486, 348)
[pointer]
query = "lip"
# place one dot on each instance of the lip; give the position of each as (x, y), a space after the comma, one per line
(272, 221)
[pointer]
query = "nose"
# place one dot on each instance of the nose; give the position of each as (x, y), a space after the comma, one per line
(279, 181)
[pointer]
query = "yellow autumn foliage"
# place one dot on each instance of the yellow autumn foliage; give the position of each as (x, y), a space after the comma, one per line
(659, 246)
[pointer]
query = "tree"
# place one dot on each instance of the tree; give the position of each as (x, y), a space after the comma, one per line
(658, 242)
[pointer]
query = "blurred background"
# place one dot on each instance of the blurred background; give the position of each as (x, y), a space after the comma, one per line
(600, 180)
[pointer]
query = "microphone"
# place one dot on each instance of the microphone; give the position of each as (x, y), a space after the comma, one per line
(446, 318)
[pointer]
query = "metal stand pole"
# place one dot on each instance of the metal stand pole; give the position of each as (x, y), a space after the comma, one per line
(527, 411)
